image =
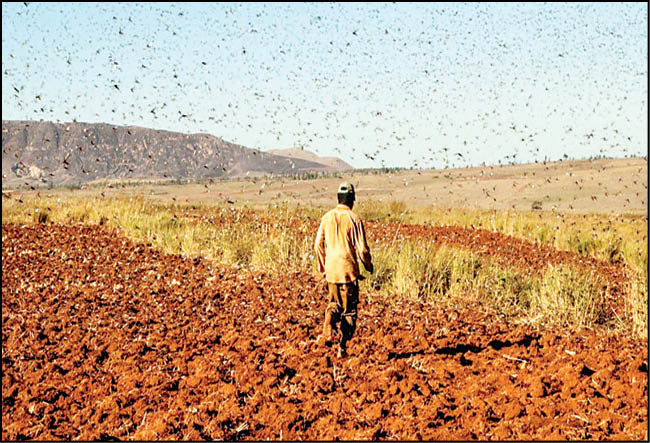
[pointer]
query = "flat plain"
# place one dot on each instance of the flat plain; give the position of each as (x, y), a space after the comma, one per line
(602, 186)
(166, 311)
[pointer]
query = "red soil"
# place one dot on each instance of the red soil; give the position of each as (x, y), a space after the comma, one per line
(103, 338)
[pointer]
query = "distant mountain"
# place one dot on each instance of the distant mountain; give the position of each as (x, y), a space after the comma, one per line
(302, 154)
(77, 153)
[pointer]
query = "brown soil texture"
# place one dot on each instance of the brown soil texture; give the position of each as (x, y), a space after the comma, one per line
(103, 338)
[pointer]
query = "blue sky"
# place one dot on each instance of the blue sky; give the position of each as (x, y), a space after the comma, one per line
(423, 85)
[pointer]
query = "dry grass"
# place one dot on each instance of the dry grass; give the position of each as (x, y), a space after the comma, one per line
(559, 297)
(612, 187)
(597, 209)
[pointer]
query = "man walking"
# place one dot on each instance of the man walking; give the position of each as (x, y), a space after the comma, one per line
(340, 244)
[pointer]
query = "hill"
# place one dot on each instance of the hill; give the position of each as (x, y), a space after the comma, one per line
(302, 154)
(38, 153)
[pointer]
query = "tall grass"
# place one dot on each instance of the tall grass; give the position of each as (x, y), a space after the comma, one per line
(166, 227)
(613, 239)
(618, 240)
(560, 296)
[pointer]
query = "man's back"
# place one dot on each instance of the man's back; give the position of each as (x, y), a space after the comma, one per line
(340, 241)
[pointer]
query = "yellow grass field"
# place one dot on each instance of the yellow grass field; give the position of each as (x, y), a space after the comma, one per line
(588, 186)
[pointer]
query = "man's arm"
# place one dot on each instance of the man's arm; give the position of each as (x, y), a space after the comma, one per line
(319, 248)
(363, 251)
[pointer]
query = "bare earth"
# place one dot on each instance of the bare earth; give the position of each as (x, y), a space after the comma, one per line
(105, 339)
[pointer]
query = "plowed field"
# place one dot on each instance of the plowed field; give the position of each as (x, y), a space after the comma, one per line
(103, 338)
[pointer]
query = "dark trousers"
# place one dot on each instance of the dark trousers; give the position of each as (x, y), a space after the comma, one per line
(342, 309)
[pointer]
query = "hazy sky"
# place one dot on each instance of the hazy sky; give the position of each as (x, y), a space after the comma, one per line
(424, 85)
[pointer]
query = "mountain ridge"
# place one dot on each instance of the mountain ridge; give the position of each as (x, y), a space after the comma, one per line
(40, 152)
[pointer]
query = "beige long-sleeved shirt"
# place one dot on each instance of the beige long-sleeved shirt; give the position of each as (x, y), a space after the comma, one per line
(340, 240)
